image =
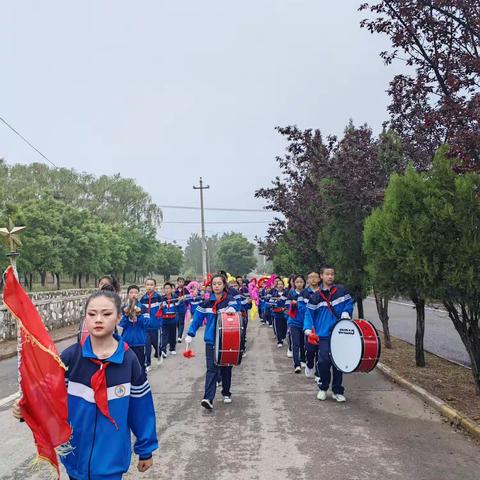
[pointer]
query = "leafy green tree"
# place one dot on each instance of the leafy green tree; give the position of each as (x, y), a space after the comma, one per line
(235, 254)
(286, 261)
(398, 248)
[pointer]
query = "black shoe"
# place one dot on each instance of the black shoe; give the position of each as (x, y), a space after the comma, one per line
(207, 404)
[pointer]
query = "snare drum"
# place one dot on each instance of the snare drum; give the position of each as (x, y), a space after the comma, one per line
(229, 339)
(354, 346)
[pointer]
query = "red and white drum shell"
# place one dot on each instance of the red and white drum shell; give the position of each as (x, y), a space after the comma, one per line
(354, 346)
(229, 339)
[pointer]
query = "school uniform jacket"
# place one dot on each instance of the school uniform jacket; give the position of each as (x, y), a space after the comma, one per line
(277, 302)
(100, 450)
(168, 309)
(319, 315)
(194, 304)
(205, 311)
(295, 312)
(182, 306)
(134, 332)
(151, 304)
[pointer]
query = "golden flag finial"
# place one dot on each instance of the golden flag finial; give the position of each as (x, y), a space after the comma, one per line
(11, 235)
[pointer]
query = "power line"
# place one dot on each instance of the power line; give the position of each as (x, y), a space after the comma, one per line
(27, 142)
(214, 223)
(181, 207)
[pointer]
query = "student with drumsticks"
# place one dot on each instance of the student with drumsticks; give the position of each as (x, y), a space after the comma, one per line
(327, 306)
(219, 301)
(296, 312)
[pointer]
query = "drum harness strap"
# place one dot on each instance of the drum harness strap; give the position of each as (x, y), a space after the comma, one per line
(217, 302)
(327, 300)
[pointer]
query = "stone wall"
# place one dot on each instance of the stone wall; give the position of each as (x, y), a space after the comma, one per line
(57, 309)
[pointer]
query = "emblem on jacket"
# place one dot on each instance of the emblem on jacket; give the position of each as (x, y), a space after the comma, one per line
(120, 391)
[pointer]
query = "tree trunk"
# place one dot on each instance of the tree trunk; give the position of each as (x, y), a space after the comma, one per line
(135, 277)
(80, 280)
(420, 331)
(43, 278)
(382, 309)
(360, 307)
(31, 280)
(57, 276)
(74, 279)
(124, 278)
(87, 279)
(467, 327)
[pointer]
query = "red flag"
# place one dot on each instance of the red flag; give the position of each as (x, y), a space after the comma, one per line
(313, 338)
(42, 375)
(292, 312)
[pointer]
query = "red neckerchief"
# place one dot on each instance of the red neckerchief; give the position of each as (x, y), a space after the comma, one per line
(150, 300)
(160, 313)
(217, 302)
(325, 299)
(98, 381)
(99, 385)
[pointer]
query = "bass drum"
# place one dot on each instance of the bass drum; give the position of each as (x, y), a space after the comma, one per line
(229, 339)
(354, 346)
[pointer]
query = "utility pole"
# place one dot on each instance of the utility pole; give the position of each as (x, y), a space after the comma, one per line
(204, 242)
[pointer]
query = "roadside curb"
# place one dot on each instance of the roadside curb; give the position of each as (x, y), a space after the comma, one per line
(4, 356)
(455, 417)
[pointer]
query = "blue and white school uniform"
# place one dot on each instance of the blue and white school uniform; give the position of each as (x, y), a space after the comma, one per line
(150, 304)
(209, 310)
(324, 309)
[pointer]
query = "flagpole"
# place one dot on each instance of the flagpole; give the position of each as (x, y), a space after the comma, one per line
(11, 236)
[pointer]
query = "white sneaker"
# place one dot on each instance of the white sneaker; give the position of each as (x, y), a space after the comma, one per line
(227, 400)
(219, 384)
(207, 404)
(289, 354)
(148, 368)
(298, 369)
(309, 372)
(279, 345)
(322, 395)
(164, 354)
(303, 364)
(317, 379)
(173, 352)
(179, 340)
(271, 326)
(339, 397)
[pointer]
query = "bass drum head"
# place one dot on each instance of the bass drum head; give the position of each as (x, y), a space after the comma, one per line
(346, 346)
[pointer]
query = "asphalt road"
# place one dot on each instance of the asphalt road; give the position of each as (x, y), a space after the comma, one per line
(275, 429)
(440, 335)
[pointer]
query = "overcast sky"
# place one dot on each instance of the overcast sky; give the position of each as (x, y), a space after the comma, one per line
(166, 91)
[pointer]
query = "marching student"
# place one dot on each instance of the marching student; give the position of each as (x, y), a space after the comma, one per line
(182, 294)
(109, 398)
(197, 296)
(326, 307)
(265, 296)
(167, 313)
(277, 303)
(109, 283)
(219, 301)
(134, 323)
(313, 282)
(296, 312)
(150, 303)
(246, 304)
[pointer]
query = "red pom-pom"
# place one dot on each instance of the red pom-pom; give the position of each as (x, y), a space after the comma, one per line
(189, 353)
